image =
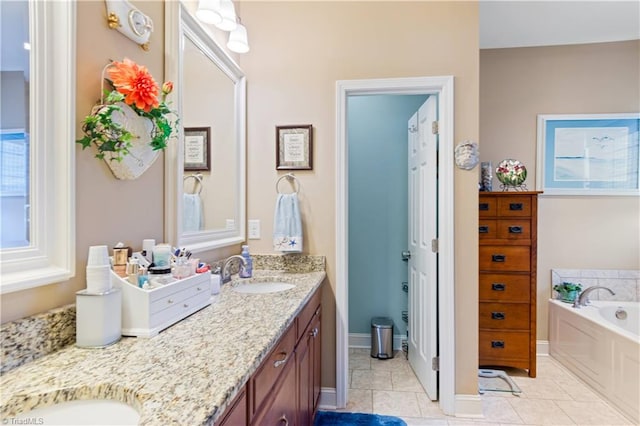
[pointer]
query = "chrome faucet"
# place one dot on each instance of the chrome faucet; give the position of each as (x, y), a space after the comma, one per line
(225, 274)
(583, 299)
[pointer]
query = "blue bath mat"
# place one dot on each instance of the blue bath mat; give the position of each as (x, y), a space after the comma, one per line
(334, 418)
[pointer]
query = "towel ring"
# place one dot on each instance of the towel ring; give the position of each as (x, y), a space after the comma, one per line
(291, 178)
(198, 178)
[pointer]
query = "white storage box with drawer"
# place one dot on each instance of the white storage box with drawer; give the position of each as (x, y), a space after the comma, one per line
(145, 313)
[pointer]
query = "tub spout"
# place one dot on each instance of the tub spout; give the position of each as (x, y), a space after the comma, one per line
(583, 299)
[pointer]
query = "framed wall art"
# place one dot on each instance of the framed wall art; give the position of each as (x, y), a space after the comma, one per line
(294, 147)
(588, 154)
(197, 148)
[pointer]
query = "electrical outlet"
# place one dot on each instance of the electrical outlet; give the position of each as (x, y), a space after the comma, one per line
(254, 229)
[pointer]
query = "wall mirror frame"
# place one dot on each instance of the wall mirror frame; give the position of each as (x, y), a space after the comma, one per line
(49, 255)
(181, 28)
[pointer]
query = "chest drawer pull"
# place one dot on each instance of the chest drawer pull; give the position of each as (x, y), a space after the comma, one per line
(280, 362)
(497, 315)
(498, 287)
(483, 207)
(497, 344)
(483, 229)
(516, 207)
(284, 421)
(515, 229)
(498, 257)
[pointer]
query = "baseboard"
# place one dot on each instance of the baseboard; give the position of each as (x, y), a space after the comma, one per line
(363, 340)
(542, 347)
(469, 406)
(328, 399)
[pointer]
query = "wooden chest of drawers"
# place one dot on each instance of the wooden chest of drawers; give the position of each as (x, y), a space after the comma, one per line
(507, 281)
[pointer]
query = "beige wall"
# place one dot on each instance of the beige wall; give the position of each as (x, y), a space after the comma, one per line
(298, 52)
(515, 86)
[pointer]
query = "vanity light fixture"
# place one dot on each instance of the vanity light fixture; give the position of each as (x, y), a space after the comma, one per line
(238, 41)
(228, 13)
(209, 12)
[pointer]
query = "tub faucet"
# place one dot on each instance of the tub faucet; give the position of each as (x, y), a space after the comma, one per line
(225, 274)
(583, 298)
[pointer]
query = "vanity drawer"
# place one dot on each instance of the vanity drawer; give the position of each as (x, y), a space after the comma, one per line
(514, 229)
(500, 345)
(179, 309)
(512, 316)
(487, 229)
(514, 206)
(505, 258)
(266, 377)
(504, 287)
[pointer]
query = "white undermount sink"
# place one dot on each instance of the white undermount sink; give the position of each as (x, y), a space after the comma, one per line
(262, 287)
(83, 412)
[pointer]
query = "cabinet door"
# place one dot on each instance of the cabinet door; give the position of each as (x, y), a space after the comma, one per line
(316, 349)
(282, 407)
(308, 357)
(236, 414)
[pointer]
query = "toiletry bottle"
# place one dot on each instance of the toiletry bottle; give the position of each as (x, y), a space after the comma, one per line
(133, 269)
(246, 271)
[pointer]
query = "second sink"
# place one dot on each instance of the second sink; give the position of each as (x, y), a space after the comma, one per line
(262, 287)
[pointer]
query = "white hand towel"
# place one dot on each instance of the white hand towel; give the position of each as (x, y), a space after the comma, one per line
(191, 213)
(287, 224)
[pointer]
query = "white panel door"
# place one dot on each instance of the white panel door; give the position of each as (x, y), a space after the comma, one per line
(423, 273)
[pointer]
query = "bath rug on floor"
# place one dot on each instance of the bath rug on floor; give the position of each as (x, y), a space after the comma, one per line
(496, 381)
(334, 418)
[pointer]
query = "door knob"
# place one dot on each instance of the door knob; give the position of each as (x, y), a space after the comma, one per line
(406, 255)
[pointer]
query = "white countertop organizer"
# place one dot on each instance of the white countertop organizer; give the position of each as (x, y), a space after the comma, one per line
(146, 312)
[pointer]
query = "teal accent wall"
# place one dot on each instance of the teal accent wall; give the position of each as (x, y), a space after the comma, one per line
(377, 148)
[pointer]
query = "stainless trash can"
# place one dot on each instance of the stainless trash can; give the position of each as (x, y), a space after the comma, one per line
(382, 337)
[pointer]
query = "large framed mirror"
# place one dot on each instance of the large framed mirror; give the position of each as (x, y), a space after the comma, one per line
(205, 184)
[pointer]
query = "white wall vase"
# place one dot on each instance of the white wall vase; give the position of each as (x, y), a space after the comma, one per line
(141, 155)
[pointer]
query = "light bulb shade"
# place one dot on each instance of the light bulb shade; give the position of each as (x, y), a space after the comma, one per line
(238, 41)
(209, 12)
(228, 13)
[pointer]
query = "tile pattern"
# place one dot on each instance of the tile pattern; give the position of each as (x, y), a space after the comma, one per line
(33, 337)
(625, 283)
(555, 397)
(187, 374)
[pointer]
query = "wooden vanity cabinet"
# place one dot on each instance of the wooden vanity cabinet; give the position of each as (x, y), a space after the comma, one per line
(285, 389)
(507, 279)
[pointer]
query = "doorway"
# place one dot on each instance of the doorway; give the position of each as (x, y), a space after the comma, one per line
(443, 88)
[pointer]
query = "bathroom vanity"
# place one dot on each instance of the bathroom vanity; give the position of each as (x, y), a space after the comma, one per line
(245, 359)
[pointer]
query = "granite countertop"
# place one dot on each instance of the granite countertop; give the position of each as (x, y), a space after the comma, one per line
(187, 374)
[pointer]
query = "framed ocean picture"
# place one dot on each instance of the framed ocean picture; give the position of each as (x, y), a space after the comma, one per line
(588, 154)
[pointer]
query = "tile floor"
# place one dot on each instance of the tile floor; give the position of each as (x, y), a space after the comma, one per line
(555, 397)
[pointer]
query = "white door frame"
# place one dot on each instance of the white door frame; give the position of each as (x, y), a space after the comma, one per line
(443, 87)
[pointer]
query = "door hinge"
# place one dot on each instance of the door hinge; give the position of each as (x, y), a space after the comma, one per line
(434, 127)
(434, 245)
(435, 363)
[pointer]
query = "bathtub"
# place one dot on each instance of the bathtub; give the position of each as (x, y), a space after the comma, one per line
(600, 349)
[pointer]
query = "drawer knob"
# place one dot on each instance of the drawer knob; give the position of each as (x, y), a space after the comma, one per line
(314, 332)
(483, 206)
(497, 344)
(497, 315)
(483, 229)
(498, 287)
(515, 229)
(169, 301)
(198, 288)
(284, 420)
(515, 206)
(498, 257)
(280, 362)
(185, 305)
